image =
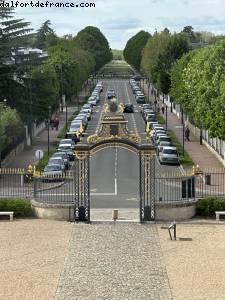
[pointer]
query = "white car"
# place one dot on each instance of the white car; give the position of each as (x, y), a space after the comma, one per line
(52, 173)
(69, 142)
(168, 155)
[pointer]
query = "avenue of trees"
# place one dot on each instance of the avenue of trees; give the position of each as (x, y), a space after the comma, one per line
(198, 84)
(134, 47)
(32, 83)
(193, 75)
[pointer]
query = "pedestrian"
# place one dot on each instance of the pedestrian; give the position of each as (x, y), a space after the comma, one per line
(163, 109)
(158, 108)
(187, 134)
(56, 122)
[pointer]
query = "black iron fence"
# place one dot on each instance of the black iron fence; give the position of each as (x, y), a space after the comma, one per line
(59, 189)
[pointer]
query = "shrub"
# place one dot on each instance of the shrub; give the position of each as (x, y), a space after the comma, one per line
(20, 207)
(44, 161)
(207, 206)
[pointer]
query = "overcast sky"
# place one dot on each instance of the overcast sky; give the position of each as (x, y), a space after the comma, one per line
(120, 19)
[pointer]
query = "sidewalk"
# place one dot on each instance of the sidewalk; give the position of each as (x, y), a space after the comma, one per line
(27, 156)
(200, 154)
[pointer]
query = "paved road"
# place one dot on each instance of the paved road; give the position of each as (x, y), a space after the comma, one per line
(115, 172)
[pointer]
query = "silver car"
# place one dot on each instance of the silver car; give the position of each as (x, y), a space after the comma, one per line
(169, 155)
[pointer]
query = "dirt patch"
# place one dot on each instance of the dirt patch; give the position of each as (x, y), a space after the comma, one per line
(195, 267)
(32, 257)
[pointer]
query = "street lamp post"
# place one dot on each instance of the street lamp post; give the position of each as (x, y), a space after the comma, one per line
(49, 118)
(183, 138)
(148, 92)
(166, 117)
(66, 116)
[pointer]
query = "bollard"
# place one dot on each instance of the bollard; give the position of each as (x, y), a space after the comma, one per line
(115, 214)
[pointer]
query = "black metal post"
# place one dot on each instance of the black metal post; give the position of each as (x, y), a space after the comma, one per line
(49, 118)
(66, 117)
(171, 106)
(61, 80)
(201, 136)
(182, 116)
(166, 116)
(183, 139)
(148, 92)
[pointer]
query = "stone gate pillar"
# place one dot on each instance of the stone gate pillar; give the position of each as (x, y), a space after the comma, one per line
(82, 184)
(147, 185)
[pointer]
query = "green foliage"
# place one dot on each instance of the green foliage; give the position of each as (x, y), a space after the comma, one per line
(44, 161)
(117, 54)
(198, 84)
(63, 131)
(159, 56)
(20, 207)
(45, 89)
(92, 40)
(184, 160)
(160, 119)
(10, 126)
(134, 47)
(206, 207)
(45, 36)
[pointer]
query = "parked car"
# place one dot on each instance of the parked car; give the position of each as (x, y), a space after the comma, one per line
(128, 108)
(67, 149)
(57, 161)
(168, 155)
(162, 144)
(163, 138)
(111, 94)
(73, 136)
(87, 112)
(52, 173)
(65, 158)
(69, 142)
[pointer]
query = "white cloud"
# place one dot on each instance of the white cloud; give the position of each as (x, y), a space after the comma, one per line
(120, 19)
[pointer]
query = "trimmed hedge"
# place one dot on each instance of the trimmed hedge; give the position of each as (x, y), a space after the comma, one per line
(206, 207)
(20, 207)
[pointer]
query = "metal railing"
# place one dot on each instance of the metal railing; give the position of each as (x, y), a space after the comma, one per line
(59, 189)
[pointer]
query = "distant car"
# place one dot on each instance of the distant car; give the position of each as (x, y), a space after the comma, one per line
(111, 94)
(128, 108)
(140, 99)
(65, 158)
(68, 142)
(163, 138)
(67, 149)
(57, 160)
(162, 144)
(136, 77)
(168, 155)
(53, 173)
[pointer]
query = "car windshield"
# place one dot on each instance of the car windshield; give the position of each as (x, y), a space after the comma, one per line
(56, 161)
(65, 148)
(170, 151)
(52, 168)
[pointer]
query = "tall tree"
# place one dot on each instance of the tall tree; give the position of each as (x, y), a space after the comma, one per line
(45, 36)
(92, 40)
(159, 56)
(14, 33)
(134, 47)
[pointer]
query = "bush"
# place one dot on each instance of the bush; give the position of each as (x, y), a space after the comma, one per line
(44, 161)
(63, 131)
(206, 207)
(184, 160)
(20, 207)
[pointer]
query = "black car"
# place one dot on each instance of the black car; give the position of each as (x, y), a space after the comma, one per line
(128, 108)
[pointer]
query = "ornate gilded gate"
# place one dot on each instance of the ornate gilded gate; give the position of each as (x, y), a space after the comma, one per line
(114, 133)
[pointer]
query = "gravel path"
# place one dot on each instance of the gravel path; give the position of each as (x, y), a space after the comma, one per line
(121, 261)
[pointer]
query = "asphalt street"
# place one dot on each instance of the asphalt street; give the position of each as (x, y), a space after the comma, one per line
(114, 173)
